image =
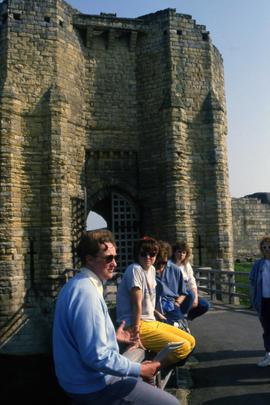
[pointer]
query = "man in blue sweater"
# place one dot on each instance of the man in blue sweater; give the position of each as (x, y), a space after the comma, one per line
(87, 361)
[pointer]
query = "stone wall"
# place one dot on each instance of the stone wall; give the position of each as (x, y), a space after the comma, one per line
(91, 104)
(183, 116)
(251, 222)
(42, 141)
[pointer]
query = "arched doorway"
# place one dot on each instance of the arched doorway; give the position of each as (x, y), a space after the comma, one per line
(122, 217)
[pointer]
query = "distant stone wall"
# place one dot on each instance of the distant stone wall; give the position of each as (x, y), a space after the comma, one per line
(251, 222)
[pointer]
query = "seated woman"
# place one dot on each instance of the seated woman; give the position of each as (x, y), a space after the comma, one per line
(170, 290)
(136, 299)
(193, 305)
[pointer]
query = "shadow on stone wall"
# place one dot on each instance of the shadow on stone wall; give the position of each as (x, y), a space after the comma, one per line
(30, 380)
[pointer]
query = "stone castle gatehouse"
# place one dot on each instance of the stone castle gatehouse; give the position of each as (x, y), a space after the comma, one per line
(126, 117)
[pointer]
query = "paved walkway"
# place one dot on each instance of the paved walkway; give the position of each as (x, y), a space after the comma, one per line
(229, 344)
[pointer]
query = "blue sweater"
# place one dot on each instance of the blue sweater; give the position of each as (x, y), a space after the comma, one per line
(170, 284)
(85, 349)
(255, 279)
(173, 279)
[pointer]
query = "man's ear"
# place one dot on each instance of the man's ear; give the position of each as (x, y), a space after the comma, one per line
(89, 259)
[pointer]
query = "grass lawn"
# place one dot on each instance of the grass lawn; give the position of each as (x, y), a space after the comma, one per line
(243, 266)
(242, 279)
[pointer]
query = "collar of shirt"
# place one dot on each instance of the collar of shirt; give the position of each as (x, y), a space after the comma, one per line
(93, 278)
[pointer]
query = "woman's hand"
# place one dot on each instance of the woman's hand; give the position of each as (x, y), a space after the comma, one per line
(195, 303)
(135, 334)
(159, 315)
(179, 300)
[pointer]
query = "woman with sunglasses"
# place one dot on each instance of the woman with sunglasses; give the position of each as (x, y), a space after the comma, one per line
(260, 295)
(87, 361)
(136, 299)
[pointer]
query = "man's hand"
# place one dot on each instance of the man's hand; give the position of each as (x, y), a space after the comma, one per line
(128, 337)
(149, 369)
(124, 335)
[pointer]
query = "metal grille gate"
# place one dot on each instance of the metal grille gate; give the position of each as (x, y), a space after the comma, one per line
(125, 228)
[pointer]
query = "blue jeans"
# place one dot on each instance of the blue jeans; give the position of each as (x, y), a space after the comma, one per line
(125, 391)
(192, 313)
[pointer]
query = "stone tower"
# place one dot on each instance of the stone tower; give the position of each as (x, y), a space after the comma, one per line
(126, 117)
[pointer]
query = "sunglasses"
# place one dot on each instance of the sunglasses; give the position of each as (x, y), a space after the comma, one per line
(145, 254)
(265, 247)
(108, 259)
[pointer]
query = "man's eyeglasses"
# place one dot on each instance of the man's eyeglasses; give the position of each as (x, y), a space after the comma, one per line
(145, 254)
(265, 247)
(108, 259)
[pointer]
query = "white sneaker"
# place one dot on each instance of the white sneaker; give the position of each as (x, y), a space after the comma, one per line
(265, 361)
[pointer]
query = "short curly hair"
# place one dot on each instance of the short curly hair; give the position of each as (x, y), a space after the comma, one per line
(183, 247)
(165, 251)
(147, 244)
(92, 241)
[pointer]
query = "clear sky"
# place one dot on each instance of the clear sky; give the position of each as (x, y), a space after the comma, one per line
(240, 29)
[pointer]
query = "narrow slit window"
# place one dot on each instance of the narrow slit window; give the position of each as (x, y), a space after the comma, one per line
(205, 36)
(16, 16)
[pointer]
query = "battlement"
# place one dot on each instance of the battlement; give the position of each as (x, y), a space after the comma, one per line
(22, 15)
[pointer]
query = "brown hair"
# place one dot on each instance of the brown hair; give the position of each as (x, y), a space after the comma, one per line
(266, 239)
(92, 241)
(165, 251)
(147, 244)
(183, 247)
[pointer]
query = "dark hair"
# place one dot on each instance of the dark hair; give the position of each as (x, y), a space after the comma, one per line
(183, 246)
(92, 241)
(165, 251)
(149, 245)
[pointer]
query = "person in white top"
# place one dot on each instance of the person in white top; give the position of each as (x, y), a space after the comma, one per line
(193, 305)
(136, 299)
(260, 294)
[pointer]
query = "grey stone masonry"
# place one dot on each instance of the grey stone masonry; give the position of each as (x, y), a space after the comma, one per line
(94, 104)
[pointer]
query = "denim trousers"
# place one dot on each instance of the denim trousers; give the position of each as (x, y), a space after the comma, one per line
(192, 313)
(125, 391)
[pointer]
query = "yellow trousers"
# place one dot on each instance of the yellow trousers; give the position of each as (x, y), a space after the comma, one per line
(156, 335)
